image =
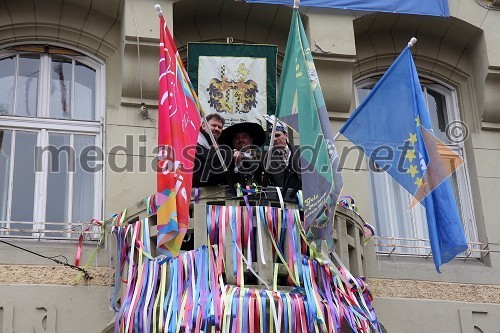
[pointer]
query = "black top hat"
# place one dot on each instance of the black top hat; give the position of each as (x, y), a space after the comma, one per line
(253, 129)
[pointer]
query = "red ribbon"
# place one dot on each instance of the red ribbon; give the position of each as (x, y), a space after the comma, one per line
(80, 240)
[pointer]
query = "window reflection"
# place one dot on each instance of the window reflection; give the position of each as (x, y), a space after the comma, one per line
(65, 193)
(83, 182)
(60, 89)
(5, 158)
(437, 106)
(84, 92)
(58, 179)
(72, 88)
(27, 86)
(7, 73)
(23, 190)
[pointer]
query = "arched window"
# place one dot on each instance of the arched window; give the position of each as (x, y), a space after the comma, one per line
(50, 133)
(404, 231)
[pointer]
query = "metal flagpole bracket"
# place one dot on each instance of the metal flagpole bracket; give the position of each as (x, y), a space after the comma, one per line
(412, 41)
(158, 10)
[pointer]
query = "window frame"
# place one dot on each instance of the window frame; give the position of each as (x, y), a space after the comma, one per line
(42, 125)
(421, 245)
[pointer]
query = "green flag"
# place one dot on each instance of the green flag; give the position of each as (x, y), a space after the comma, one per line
(302, 106)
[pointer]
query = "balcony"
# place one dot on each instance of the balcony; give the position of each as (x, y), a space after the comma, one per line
(348, 230)
(239, 251)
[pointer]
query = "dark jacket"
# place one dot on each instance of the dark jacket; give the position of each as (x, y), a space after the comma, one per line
(250, 170)
(286, 176)
(208, 171)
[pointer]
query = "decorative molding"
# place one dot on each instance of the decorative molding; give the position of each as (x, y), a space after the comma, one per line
(54, 34)
(341, 116)
(489, 4)
(7, 317)
(53, 275)
(143, 74)
(45, 316)
(428, 290)
(133, 101)
(490, 126)
(335, 76)
(491, 96)
(467, 322)
(50, 123)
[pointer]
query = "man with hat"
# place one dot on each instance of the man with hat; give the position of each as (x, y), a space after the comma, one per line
(244, 139)
(284, 167)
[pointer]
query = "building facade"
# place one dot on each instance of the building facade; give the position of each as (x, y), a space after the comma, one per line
(75, 73)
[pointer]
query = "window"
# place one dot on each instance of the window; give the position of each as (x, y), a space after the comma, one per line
(404, 231)
(50, 116)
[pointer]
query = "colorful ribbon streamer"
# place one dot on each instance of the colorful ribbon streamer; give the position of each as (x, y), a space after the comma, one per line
(189, 293)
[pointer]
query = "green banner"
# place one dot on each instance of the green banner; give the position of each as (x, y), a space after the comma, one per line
(237, 81)
(302, 107)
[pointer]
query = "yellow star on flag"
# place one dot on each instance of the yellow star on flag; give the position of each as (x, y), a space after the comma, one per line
(410, 155)
(417, 120)
(420, 182)
(413, 138)
(412, 170)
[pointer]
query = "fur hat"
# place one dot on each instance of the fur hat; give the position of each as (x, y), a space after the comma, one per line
(253, 129)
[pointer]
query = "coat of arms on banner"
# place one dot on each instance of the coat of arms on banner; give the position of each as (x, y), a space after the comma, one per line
(234, 87)
(229, 95)
(236, 81)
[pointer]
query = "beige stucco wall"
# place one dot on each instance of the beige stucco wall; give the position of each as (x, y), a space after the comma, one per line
(424, 306)
(410, 316)
(45, 308)
(35, 294)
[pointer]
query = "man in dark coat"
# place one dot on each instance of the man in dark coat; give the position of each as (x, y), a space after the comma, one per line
(244, 139)
(208, 171)
(284, 167)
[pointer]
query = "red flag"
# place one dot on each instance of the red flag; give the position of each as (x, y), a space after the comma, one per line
(178, 128)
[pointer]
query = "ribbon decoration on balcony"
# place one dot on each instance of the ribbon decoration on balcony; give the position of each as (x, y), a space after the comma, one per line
(115, 220)
(189, 294)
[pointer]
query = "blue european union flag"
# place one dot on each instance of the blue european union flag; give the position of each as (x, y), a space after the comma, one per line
(392, 127)
(420, 7)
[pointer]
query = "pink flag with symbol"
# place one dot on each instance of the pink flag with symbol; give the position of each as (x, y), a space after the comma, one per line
(178, 128)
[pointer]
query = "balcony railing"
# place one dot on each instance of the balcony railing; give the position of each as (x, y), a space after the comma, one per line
(348, 229)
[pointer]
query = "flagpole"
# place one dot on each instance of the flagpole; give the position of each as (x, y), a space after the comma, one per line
(271, 144)
(217, 149)
(159, 12)
(296, 4)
